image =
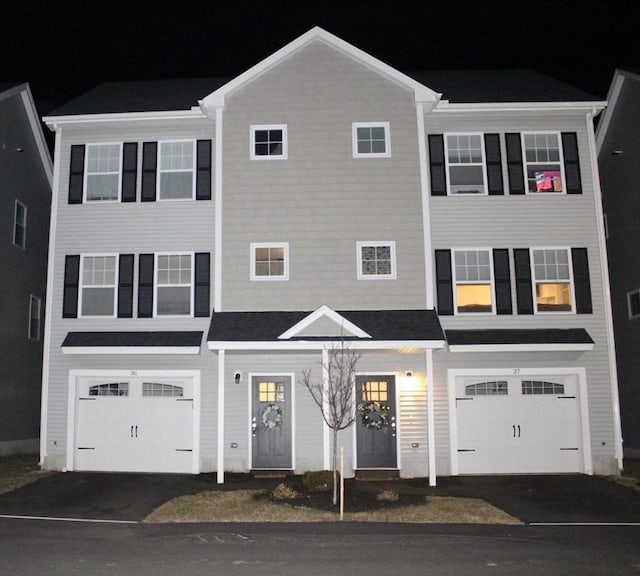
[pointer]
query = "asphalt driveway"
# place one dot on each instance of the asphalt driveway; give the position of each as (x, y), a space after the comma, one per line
(131, 497)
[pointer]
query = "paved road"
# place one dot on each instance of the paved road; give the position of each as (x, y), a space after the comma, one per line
(37, 547)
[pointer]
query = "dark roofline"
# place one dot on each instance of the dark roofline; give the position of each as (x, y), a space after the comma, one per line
(516, 336)
(132, 339)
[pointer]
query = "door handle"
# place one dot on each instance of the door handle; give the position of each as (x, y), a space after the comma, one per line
(132, 431)
(514, 430)
(518, 430)
(136, 431)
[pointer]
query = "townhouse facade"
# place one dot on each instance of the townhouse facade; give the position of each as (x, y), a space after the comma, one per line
(25, 197)
(214, 239)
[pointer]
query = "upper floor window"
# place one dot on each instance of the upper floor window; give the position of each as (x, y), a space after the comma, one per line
(269, 142)
(633, 304)
(174, 285)
(35, 312)
(465, 163)
(270, 261)
(103, 172)
(371, 139)
(176, 170)
(473, 281)
(20, 225)
(98, 281)
(553, 280)
(543, 162)
(376, 260)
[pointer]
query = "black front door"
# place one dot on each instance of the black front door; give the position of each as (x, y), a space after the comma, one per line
(376, 422)
(271, 422)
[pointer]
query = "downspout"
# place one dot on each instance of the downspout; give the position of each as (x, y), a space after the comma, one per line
(604, 269)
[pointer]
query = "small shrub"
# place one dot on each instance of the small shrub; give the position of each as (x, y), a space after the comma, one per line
(283, 492)
(318, 480)
(387, 495)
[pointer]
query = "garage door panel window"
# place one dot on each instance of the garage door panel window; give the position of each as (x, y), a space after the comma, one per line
(174, 285)
(540, 387)
(491, 388)
(98, 286)
(553, 280)
(161, 389)
(110, 389)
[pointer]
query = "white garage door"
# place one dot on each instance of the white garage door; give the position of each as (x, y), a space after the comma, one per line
(517, 424)
(135, 424)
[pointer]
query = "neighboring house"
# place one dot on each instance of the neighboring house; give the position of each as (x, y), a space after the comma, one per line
(215, 238)
(25, 199)
(618, 144)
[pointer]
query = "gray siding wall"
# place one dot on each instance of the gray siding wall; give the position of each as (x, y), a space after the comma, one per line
(131, 228)
(619, 174)
(321, 200)
(521, 222)
(22, 178)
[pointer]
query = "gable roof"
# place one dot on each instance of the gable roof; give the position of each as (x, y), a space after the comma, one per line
(263, 329)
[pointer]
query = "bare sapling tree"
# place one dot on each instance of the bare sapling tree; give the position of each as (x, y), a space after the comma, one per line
(334, 394)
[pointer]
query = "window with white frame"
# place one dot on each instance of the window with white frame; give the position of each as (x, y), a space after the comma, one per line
(270, 261)
(543, 162)
(376, 260)
(633, 304)
(98, 281)
(269, 142)
(473, 276)
(465, 163)
(35, 311)
(553, 279)
(103, 172)
(20, 225)
(174, 285)
(371, 139)
(176, 170)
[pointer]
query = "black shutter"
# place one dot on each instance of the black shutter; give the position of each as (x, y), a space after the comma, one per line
(571, 163)
(444, 282)
(145, 286)
(494, 164)
(514, 163)
(71, 278)
(437, 165)
(149, 168)
(524, 289)
(125, 286)
(202, 280)
(203, 174)
(581, 281)
(129, 171)
(502, 281)
(76, 174)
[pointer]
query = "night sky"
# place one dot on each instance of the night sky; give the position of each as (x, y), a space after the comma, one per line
(63, 48)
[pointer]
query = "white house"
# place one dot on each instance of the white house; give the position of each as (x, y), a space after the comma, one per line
(214, 238)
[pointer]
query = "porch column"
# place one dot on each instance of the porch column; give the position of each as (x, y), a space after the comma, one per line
(431, 427)
(326, 444)
(220, 470)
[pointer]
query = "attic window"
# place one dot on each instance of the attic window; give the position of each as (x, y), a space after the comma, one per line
(371, 140)
(269, 142)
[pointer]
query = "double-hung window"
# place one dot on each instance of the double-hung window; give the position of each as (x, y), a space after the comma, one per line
(269, 142)
(103, 172)
(174, 285)
(270, 261)
(543, 162)
(633, 304)
(98, 281)
(376, 260)
(20, 225)
(176, 170)
(371, 140)
(553, 281)
(35, 313)
(473, 276)
(465, 164)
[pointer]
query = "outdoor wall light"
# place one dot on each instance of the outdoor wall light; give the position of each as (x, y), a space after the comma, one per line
(237, 377)
(408, 374)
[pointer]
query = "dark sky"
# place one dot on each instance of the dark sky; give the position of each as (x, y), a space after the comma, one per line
(63, 47)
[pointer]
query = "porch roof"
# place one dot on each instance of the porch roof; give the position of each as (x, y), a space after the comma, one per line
(545, 339)
(163, 342)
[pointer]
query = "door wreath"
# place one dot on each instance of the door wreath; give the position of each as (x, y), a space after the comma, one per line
(374, 415)
(272, 416)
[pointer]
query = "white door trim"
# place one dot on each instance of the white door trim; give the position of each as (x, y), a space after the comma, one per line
(72, 404)
(579, 372)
